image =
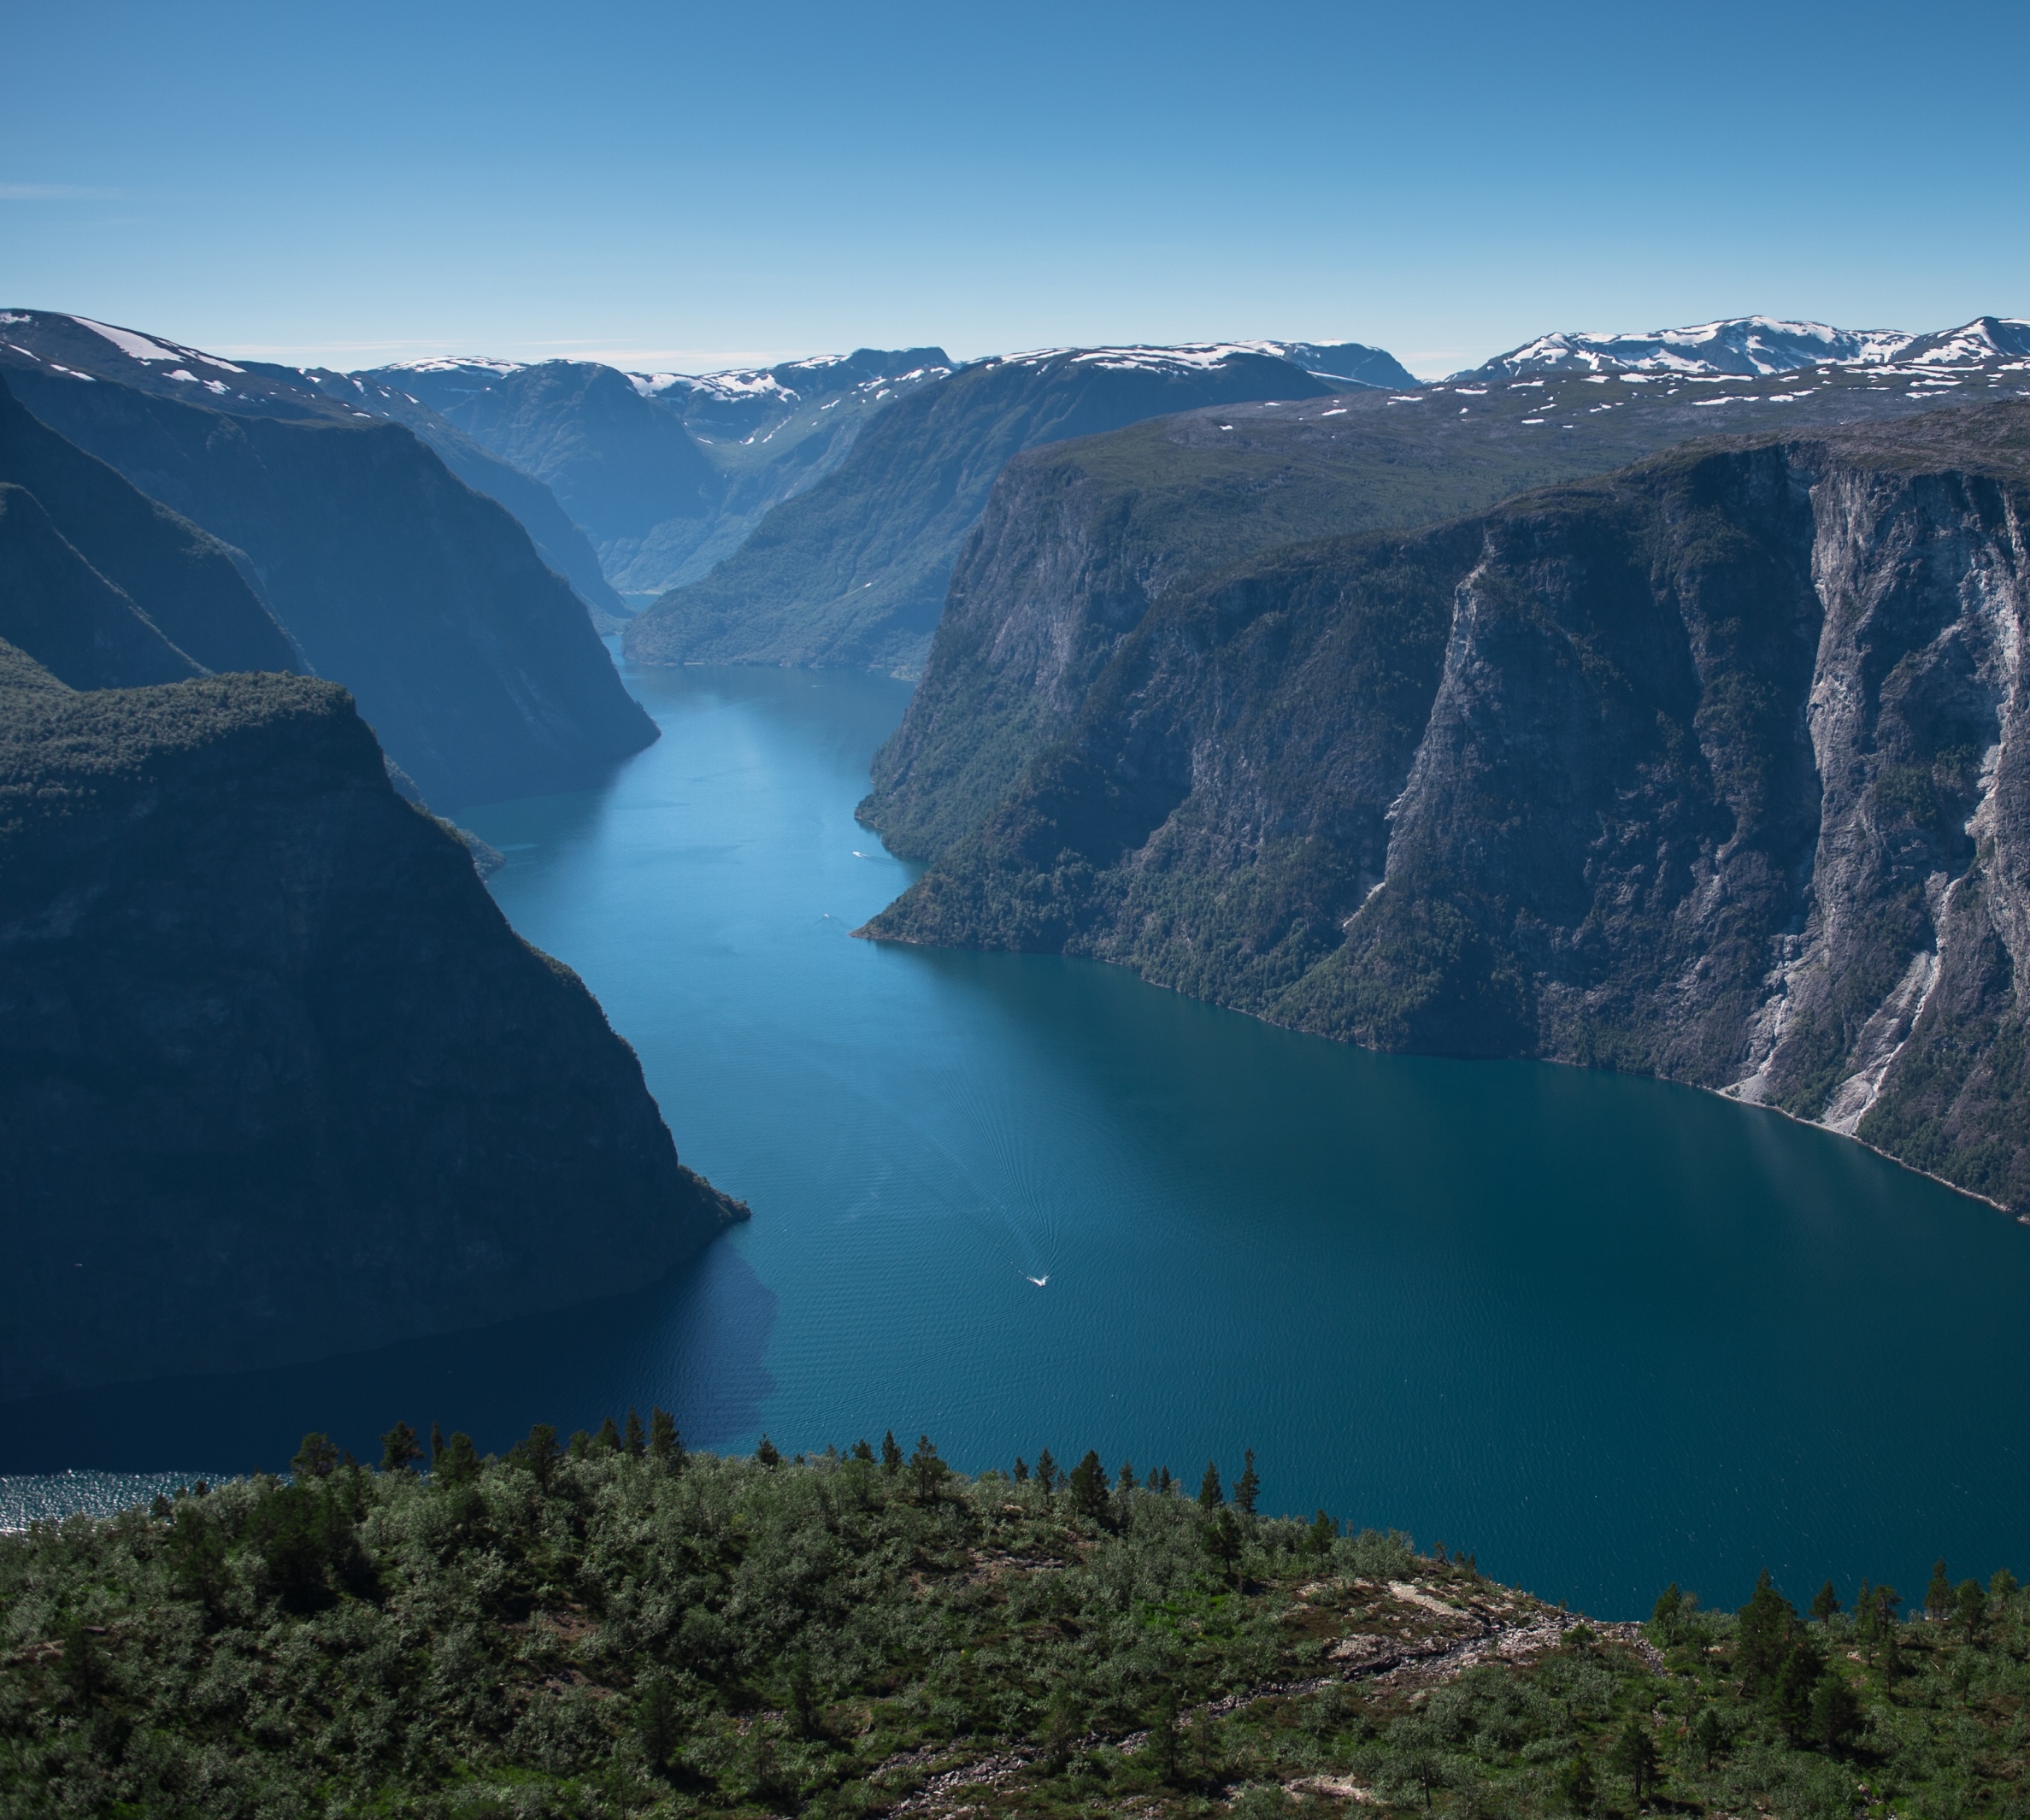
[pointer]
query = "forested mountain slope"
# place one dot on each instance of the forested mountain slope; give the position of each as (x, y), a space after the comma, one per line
(853, 573)
(1078, 540)
(473, 662)
(276, 1078)
(1713, 768)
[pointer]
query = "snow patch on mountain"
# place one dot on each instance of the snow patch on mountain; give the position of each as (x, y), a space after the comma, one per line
(1739, 347)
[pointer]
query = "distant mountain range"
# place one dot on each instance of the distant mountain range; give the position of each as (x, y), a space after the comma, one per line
(853, 571)
(1756, 346)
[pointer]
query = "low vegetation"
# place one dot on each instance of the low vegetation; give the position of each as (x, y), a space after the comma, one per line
(618, 1628)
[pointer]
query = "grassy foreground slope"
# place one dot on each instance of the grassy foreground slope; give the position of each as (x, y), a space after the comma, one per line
(623, 1629)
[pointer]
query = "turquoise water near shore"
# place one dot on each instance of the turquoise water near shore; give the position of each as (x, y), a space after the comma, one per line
(1601, 1331)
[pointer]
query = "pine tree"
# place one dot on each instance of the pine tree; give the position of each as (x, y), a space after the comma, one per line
(1322, 1533)
(1126, 1480)
(1634, 1756)
(892, 1454)
(316, 1458)
(862, 1451)
(1089, 1487)
(1210, 1497)
(1022, 1471)
(1795, 1682)
(664, 1442)
(1162, 1482)
(636, 1443)
(458, 1462)
(1762, 1641)
(1668, 1612)
(399, 1450)
(580, 1446)
(607, 1441)
(1825, 1605)
(1937, 1596)
(1969, 1607)
(538, 1453)
(1835, 1714)
(1163, 1732)
(1248, 1486)
(930, 1471)
(766, 1454)
(1576, 1784)
(1046, 1474)
(1708, 1734)
(436, 1445)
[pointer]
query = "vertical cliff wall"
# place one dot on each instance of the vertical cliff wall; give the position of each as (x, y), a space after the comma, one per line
(1713, 768)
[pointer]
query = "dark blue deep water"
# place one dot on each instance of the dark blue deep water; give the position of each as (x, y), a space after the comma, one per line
(1601, 1331)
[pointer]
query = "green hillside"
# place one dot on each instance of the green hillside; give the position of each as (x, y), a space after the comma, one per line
(622, 1629)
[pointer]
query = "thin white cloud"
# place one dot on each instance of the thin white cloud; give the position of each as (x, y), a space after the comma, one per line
(55, 193)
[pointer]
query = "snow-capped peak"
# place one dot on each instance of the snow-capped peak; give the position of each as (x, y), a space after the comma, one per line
(1740, 346)
(146, 348)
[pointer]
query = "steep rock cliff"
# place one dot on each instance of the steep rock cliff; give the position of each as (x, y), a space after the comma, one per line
(472, 661)
(1078, 540)
(1713, 769)
(276, 1078)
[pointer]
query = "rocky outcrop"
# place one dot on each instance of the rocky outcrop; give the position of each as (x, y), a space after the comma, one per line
(276, 1078)
(1713, 769)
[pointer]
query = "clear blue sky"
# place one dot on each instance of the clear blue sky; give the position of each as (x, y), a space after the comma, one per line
(696, 186)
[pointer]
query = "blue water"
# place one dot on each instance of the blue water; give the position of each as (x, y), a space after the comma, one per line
(1604, 1332)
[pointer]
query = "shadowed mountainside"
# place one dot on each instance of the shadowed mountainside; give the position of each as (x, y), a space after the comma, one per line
(276, 1078)
(473, 662)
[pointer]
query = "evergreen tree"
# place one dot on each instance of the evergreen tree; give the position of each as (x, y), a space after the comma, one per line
(1576, 1785)
(1796, 1682)
(316, 1458)
(399, 1450)
(1969, 1607)
(1248, 1486)
(1762, 1640)
(607, 1441)
(1937, 1596)
(539, 1453)
(892, 1454)
(1825, 1606)
(766, 1454)
(458, 1462)
(580, 1446)
(1835, 1715)
(1220, 1531)
(664, 1442)
(929, 1470)
(1022, 1471)
(636, 1442)
(1126, 1481)
(1322, 1533)
(1709, 1734)
(1089, 1487)
(1046, 1474)
(1162, 1481)
(1634, 1756)
(1163, 1732)
(1668, 1613)
(2003, 1587)
(658, 1722)
(1210, 1497)
(862, 1451)
(436, 1445)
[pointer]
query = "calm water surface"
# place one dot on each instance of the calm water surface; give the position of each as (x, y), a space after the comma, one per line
(1601, 1331)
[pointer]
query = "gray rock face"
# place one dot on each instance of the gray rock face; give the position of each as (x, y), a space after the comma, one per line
(1713, 769)
(276, 1078)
